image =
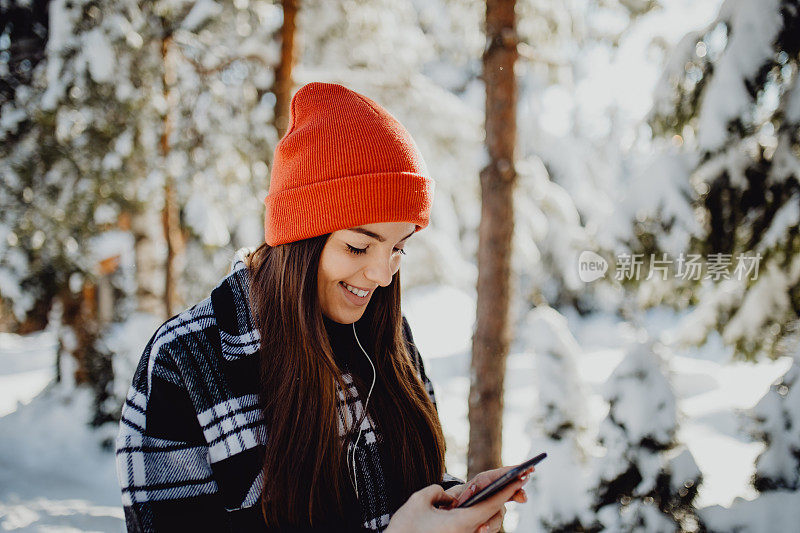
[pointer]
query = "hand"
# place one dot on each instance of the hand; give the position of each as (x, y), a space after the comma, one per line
(463, 492)
(429, 510)
(483, 479)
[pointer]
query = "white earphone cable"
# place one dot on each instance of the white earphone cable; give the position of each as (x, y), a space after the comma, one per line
(366, 404)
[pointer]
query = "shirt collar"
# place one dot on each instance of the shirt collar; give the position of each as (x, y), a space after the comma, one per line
(230, 301)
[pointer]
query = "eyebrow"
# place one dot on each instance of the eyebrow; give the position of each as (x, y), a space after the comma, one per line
(374, 235)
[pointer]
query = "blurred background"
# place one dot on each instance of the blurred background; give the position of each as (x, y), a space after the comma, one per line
(654, 267)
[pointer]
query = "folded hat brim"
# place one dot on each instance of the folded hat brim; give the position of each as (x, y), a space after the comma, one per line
(346, 202)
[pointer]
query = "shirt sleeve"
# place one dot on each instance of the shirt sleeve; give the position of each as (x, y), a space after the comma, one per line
(161, 454)
(448, 480)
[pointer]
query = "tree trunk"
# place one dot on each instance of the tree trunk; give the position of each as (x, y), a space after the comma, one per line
(171, 213)
(174, 236)
(36, 318)
(283, 74)
(149, 246)
(80, 329)
(491, 339)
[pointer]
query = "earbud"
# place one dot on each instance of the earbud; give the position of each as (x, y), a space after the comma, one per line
(366, 404)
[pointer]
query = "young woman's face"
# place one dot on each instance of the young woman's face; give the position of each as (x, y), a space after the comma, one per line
(363, 258)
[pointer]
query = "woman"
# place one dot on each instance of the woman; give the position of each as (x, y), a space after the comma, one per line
(293, 397)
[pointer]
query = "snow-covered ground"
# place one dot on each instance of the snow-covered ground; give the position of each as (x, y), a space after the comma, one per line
(26, 366)
(54, 476)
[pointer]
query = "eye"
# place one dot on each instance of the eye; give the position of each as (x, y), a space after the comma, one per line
(356, 251)
(359, 251)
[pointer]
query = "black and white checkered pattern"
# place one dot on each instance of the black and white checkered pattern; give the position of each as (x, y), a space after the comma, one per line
(191, 440)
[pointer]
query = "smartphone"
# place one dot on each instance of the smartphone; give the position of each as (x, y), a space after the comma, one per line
(503, 481)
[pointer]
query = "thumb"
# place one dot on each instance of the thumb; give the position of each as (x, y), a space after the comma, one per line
(435, 495)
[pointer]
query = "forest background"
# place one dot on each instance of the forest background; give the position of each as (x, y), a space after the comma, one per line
(653, 269)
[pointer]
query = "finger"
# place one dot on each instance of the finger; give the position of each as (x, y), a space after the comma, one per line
(493, 524)
(466, 494)
(434, 495)
(520, 496)
(487, 476)
(482, 480)
(496, 520)
(444, 501)
(503, 495)
(456, 490)
(475, 487)
(527, 472)
(484, 510)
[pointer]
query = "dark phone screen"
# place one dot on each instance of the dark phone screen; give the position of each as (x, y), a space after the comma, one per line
(501, 482)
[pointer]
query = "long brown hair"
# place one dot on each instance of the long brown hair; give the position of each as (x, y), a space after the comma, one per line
(305, 475)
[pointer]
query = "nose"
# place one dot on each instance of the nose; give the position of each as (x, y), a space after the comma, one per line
(380, 271)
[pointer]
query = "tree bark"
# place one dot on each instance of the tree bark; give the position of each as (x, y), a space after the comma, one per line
(80, 329)
(149, 246)
(171, 213)
(491, 340)
(36, 318)
(283, 74)
(174, 236)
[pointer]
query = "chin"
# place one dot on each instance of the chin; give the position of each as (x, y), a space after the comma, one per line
(342, 317)
(348, 317)
(354, 317)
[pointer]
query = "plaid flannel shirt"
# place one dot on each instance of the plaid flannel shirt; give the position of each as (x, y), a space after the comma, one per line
(191, 439)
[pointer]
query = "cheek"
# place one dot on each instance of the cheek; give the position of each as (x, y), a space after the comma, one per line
(336, 267)
(395, 268)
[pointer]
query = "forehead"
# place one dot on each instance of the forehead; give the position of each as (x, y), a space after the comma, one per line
(383, 231)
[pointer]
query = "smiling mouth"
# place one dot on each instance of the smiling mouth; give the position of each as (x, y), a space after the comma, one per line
(355, 291)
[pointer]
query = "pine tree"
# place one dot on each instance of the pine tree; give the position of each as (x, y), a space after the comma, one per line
(646, 481)
(135, 106)
(56, 131)
(729, 104)
(776, 422)
(216, 132)
(67, 136)
(559, 426)
(569, 173)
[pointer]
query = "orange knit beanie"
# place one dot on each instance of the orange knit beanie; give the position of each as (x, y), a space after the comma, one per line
(344, 161)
